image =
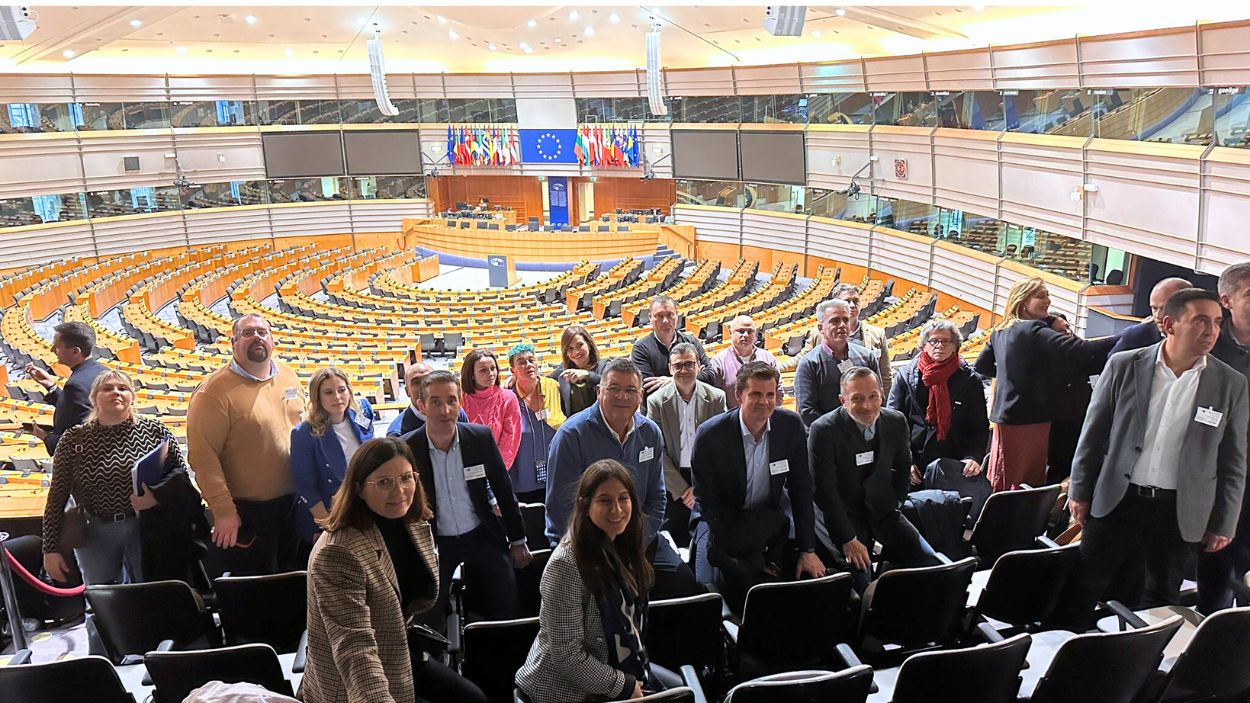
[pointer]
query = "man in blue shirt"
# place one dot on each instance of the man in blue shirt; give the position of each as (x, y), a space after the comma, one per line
(613, 428)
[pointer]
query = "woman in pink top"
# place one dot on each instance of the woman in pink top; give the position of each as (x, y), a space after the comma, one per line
(486, 403)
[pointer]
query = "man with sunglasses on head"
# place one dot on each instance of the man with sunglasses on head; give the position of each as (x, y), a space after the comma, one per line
(239, 445)
(460, 469)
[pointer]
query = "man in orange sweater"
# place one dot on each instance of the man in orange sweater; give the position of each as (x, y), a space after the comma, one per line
(239, 446)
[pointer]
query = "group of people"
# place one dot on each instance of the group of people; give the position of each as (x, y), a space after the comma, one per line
(626, 453)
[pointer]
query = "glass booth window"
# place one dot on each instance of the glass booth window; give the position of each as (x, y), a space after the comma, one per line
(839, 108)
(719, 108)
(980, 109)
(765, 109)
(715, 193)
(616, 110)
(1170, 115)
(148, 115)
(297, 190)
(388, 187)
(905, 109)
(1232, 117)
(1041, 111)
(777, 198)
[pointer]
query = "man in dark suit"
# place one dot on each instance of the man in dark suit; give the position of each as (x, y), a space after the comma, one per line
(816, 382)
(861, 461)
(411, 419)
(72, 343)
(457, 461)
(650, 353)
(1161, 465)
(749, 461)
(1150, 330)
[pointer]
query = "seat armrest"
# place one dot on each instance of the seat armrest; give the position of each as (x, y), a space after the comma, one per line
(731, 629)
(988, 633)
(165, 646)
(847, 655)
(21, 656)
(454, 644)
(1125, 616)
(943, 558)
(301, 654)
(691, 678)
(1047, 542)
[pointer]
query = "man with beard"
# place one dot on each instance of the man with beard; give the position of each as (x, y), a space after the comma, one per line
(239, 445)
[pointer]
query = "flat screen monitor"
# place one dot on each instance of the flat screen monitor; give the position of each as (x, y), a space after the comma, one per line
(383, 153)
(303, 154)
(774, 157)
(707, 155)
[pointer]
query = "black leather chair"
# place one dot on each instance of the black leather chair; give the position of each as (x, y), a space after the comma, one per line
(493, 651)
(791, 626)
(176, 674)
(135, 618)
(683, 631)
(270, 610)
(534, 516)
(80, 679)
(1215, 663)
(914, 609)
(989, 673)
(1023, 588)
(846, 686)
(528, 580)
(1108, 667)
(1012, 520)
(692, 692)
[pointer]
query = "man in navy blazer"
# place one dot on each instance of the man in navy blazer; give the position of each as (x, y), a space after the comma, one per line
(72, 343)
(457, 462)
(861, 463)
(751, 459)
(1150, 331)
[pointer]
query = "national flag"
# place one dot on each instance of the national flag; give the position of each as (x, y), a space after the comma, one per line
(514, 147)
(451, 146)
(579, 146)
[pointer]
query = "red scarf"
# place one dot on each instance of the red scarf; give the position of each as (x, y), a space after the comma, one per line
(935, 375)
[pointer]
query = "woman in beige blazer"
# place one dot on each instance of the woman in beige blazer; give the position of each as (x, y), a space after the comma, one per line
(373, 566)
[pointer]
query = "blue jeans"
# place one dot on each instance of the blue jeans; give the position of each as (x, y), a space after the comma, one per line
(110, 546)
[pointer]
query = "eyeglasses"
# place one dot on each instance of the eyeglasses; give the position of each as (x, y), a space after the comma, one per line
(254, 332)
(390, 483)
(942, 342)
(685, 365)
(618, 391)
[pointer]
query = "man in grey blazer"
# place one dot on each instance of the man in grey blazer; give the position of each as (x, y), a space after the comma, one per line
(818, 378)
(679, 408)
(1142, 506)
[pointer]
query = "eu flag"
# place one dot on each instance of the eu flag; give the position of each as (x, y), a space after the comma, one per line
(548, 146)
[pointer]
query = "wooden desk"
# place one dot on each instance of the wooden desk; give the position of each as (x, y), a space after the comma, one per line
(532, 246)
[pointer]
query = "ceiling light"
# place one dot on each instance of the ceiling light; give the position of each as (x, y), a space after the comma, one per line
(68, 53)
(840, 12)
(492, 47)
(451, 34)
(136, 23)
(614, 18)
(531, 24)
(978, 8)
(250, 19)
(290, 52)
(590, 32)
(181, 49)
(573, 16)
(557, 40)
(442, 20)
(816, 33)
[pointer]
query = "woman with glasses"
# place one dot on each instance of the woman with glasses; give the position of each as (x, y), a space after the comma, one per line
(541, 415)
(373, 568)
(944, 403)
(579, 372)
(486, 402)
(323, 445)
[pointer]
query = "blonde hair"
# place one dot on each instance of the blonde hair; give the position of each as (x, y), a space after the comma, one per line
(1020, 293)
(317, 416)
(106, 376)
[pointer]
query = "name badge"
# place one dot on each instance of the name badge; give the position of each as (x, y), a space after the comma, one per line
(472, 473)
(781, 466)
(290, 394)
(1209, 416)
(647, 454)
(364, 422)
(863, 458)
(846, 366)
(542, 414)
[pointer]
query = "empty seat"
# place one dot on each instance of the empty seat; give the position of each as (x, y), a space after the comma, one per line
(687, 631)
(176, 674)
(269, 609)
(791, 626)
(846, 686)
(913, 609)
(494, 651)
(80, 679)
(135, 618)
(1023, 587)
(988, 673)
(1108, 667)
(1012, 520)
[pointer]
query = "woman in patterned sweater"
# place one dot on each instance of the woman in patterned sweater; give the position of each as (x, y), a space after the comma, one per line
(93, 463)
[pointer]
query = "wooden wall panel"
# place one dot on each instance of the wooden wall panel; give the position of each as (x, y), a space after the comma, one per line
(38, 244)
(727, 254)
(1167, 57)
(1037, 66)
(610, 84)
(1225, 53)
(713, 224)
(965, 274)
(780, 79)
(113, 89)
(217, 154)
(212, 88)
(774, 230)
(911, 144)
(1038, 176)
(478, 85)
(20, 88)
(1226, 202)
(521, 193)
(537, 85)
(843, 242)
(965, 170)
(895, 73)
(835, 153)
(216, 225)
(699, 81)
(360, 87)
(119, 235)
(309, 219)
(634, 194)
(39, 164)
(386, 215)
(295, 87)
(902, 254)
(960, 70)
(836, 77)
(103, 152)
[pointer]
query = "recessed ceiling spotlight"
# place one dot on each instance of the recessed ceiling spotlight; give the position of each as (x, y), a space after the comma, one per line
(250, 19)
(840, 12)
(978, 8)
(590, 32)
(136, 23)
(614, 18)
(573, 16)
(816, 33)
(531, 24)
(290, 52)
(492, 47)
(68, 53)
(556, 40)
(181, 49)
(451, 34)
(442, 20)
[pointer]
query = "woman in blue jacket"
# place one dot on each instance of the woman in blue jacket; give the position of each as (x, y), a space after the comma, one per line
(323, 444)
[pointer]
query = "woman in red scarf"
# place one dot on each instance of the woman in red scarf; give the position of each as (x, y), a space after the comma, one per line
(944, 402)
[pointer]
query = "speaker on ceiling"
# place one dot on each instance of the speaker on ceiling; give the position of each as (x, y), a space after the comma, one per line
(16, 22)
(655, 75)
(377, 72)
(784, 20)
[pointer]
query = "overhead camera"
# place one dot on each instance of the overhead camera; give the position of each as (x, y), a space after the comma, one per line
(17, 22)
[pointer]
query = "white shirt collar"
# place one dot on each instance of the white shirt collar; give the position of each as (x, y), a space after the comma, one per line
(747, 433)
(1199, 365)
(611, 431)
(273, 371)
